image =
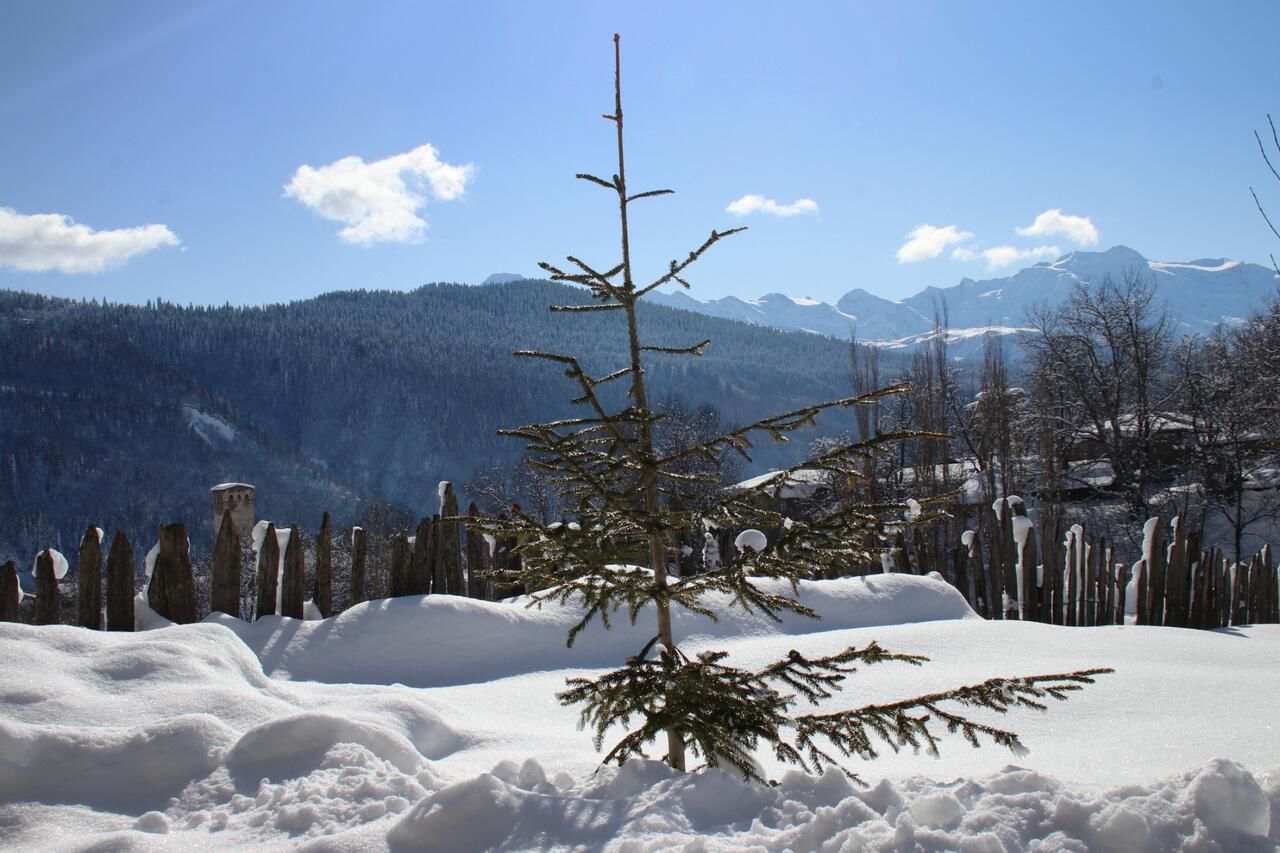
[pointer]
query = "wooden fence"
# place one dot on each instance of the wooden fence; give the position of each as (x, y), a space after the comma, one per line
(1009, 568)
(1059, 575)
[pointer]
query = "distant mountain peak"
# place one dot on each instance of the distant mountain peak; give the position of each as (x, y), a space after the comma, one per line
(1199, 293)
(504, 278)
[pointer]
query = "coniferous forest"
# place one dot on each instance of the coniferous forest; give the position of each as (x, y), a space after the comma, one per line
(127, 414)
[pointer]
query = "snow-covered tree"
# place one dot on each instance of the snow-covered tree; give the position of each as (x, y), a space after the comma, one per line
(614, 550)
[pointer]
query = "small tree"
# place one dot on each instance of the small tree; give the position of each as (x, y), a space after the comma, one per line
(618, 485)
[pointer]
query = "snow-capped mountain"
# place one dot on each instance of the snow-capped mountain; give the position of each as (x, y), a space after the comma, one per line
(1199, 294)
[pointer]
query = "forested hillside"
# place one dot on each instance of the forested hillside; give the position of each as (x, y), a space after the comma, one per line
(125, 415)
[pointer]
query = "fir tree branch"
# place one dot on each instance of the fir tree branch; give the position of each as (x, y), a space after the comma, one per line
(608, 306)
(696, 349)
(648, 194)
(609, 185)
(854, 732)
(778, 425)
(677, 268)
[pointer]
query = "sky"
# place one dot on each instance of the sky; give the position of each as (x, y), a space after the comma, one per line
(244, 152)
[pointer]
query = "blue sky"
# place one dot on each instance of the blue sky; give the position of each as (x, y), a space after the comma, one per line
(157, 149)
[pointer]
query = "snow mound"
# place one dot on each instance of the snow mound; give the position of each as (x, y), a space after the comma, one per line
(124, 722)
(383, 642)
(177, 739)
(646, 806)
(292, 746)
(59, 764)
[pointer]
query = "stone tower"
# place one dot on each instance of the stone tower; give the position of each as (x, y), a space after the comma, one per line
(237, 497)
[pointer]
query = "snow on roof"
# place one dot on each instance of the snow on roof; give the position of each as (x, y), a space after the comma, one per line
(951, 471)
(222, 487)
(801, 483)
(1160, 422)
(1091, 472)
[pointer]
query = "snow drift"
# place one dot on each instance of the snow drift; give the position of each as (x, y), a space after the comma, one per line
(179, 739)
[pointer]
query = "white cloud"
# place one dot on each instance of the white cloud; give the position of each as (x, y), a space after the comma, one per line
(928, 241)
(759, 204)
(52, 241)
(378, 202)
(1078, 229)
(963, 253)
(1003, 256)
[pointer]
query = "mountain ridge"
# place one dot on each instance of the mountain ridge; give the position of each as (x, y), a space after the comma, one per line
(1199, 293)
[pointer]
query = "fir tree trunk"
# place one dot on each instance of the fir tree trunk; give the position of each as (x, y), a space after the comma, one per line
(292, 583)
(639, 398)
(172, 591)
(46, 590)
(268, 572)
(10, 593)
(359, 543)
(120, 593)
(224, 569)
(89, 581)
(322, 595)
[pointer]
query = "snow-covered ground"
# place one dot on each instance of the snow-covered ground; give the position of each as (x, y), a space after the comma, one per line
(432, 723)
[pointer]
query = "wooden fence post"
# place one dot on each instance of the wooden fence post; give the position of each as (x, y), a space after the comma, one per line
(1219, 615)
(1106, 585)
(1074, 544)
(292, 581)
(422, 560)
(172, 591)
(1051, 556)
(1271, 581)
(1239, 594)
(449, 544)
(1083, 550)
(322, 594)
(46, 589)
(398, 583)
(224, 568)
(1157, 587)
(120, 592)
(1030, 559)
(1009, 562)
(268, 572)
(1179, 578)
(1197, 609)
(901, 559)
(1089, 600)
(1142, 598)
(10, 593)
(922, 562)
(1225, 600)
(981, 587)
(1122, 592)
(477, 554)
(358, 545)
(89, 580)
(960, 559)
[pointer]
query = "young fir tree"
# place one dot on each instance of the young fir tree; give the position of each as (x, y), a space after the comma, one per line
(614, 556)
